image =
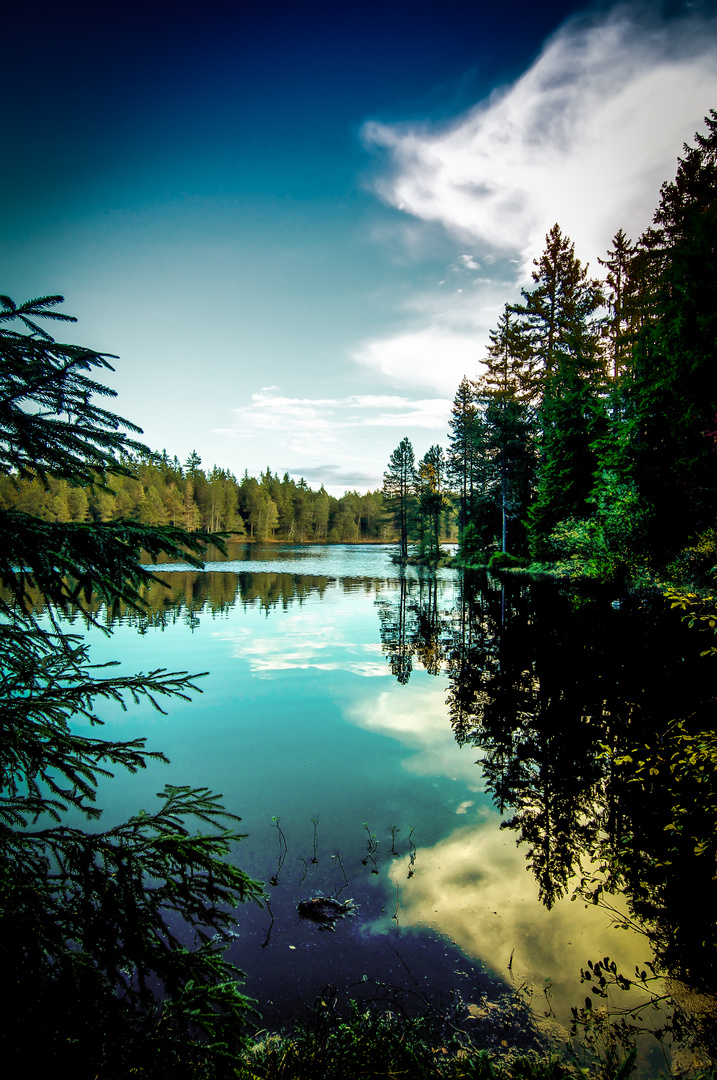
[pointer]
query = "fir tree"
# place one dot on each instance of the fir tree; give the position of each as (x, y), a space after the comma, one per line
(559, 319)
(96, 922)
(508, 422)
(673, 398)
(431, 499)
(620, 301)
(462, 459)
(398, 486)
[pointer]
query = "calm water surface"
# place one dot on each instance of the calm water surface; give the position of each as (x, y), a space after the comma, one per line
(328, 721)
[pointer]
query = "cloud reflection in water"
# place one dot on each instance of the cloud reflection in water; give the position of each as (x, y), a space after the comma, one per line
(475, 888)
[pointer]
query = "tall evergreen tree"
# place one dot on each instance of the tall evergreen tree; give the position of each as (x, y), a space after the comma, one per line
(508, 422)
(559, 319)
(431, 498)
(673, 398)
(398, 488)
(463, 448)
(620, 301)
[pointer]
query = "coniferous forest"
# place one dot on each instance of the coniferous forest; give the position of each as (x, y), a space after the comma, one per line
(157, 490)
(588, 445)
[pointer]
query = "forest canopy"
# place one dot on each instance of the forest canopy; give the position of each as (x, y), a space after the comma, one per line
(155, 489)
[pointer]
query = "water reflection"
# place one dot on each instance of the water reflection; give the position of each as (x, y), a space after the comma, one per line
(487, 715)
(416, 625)
(473, 888)
(415, 716)
(592, 723)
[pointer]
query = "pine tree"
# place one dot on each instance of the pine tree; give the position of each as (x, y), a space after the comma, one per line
(96, 922)
(431, 499)
(672, 402)
(398, 485)
(508, 422)
(559, 319)
(621, 303)
(462, 458)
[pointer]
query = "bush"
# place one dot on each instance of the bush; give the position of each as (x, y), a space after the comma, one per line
(608, 546)
(503, 560)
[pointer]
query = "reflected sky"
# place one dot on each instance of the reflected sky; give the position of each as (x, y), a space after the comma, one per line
(475, 888)
(301, 719)
(415, 716)
(313, 636)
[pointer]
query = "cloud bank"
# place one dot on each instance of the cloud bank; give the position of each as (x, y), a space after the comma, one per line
(585, 138)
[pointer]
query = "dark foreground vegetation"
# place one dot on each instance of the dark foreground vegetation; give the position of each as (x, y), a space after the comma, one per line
(367, 1042)
(112, 939)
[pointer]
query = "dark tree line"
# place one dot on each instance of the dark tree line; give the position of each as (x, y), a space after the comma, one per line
(590, 438)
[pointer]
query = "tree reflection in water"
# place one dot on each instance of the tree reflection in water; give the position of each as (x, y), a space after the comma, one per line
(593, 725)
(595, 728)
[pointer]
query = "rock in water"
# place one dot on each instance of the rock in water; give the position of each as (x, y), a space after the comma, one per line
(324, 910)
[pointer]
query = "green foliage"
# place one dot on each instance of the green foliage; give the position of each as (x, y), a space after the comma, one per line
(615, 379)
(48, 422)
(463, 458)
(154, 490)
(97, 923)
(698, 561)
(371, 1041)
(684, 763)
(672, 402)
(699, 611)
(431, 501)
(398, 490)
(503, 560)
(471, 547)
(610, 545)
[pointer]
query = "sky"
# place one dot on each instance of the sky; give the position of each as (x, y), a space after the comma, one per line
(296, 225)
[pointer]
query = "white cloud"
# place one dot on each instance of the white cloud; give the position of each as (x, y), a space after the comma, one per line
(434, 356)
(468, 262)
(584, 137)
(310, 426)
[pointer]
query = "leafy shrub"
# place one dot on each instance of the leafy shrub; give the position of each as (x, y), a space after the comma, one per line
(503, 560)
(609, 545)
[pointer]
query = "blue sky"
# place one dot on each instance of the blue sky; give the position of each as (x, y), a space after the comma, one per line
(296, 224)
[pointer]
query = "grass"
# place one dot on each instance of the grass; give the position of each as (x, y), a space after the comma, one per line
(373, 1040)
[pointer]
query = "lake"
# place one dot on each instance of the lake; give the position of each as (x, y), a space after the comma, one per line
(387, 736)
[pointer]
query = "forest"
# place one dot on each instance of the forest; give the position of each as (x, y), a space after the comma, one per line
(588, 445)
(157, 490)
